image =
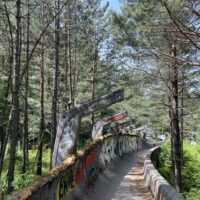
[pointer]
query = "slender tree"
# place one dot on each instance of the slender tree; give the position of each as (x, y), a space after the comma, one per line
(174, 120)
(15, 100)
(42, 126)
(25, 135)
(55, 76)
(94, 69)
(8, 88)
(71, 96)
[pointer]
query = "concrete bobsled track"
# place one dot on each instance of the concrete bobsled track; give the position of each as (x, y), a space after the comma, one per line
(114, 167)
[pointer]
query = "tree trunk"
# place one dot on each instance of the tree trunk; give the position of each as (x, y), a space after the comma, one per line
(8, 85)
(71, 97)
(15, 101)
(25, 136)
(76, 66)
(2, 141)
(8, 90)
(175, 122)
(94, 71)
(41, 134)
(182, 115)
(3, 133)
(170, 131)
(66, 68)
(55, 78)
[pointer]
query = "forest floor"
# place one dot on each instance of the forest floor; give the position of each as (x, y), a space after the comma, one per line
(20, 178)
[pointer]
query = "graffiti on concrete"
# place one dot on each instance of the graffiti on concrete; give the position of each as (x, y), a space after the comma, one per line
(64, 180)
(69, 125)
(65, 184)
(91, 166)
(87, 168)
(108, 152)
(80, 174)
(98, 158)
(116, 146)
(98, 126)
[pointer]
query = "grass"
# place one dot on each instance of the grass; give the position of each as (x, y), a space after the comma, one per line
(23, 179)
(190, 169)
(32, 157)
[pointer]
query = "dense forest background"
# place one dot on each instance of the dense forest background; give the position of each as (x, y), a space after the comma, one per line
(54, 55)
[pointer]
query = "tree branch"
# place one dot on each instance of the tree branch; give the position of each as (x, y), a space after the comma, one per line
(38, 40)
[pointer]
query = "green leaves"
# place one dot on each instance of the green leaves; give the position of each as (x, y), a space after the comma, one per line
(190, 168)
(3, 188)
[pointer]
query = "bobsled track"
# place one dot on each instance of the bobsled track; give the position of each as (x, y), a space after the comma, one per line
(114, 167)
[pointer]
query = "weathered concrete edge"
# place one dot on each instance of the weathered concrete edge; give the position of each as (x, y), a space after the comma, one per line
(159, 187)
(27, 191)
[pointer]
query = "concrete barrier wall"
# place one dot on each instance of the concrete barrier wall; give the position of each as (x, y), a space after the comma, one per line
(159, 187)
(67, 180)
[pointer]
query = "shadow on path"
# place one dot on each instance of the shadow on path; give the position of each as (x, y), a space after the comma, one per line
(122, 181)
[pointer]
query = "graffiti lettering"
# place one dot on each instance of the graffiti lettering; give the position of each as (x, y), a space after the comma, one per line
(65, 184)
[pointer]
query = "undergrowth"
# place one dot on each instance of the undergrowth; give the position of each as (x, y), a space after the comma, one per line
(190, 168)
(20, 178)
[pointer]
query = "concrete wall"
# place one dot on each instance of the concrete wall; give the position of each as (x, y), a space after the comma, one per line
(76, 172)
(159, 187)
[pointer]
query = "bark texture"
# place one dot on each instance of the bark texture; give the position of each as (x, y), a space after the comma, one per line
(175, 130)
(41, 134)
(15, 101)
(55, 78)
(25, 136)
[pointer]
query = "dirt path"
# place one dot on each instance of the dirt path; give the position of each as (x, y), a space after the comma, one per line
(123, 181)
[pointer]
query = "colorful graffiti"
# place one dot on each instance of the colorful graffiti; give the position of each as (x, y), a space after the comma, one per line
(64, 181)
(65, 184)
(111, 148)
(87, 169)
(116, 146)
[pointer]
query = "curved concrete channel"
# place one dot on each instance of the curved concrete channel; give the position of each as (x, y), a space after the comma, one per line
(122, 181)
(108, 169)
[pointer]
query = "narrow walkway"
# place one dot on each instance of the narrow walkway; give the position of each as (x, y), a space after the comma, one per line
(133, 186)
(123, 181)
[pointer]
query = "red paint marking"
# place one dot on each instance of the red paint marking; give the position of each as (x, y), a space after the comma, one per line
(80, 174)
(117, 117)
(90, 159)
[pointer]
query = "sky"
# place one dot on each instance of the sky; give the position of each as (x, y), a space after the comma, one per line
(114, 4)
